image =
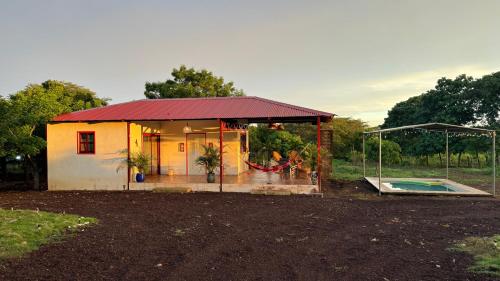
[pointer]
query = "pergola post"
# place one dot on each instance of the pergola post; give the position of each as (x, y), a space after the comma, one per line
(221, 171)
(364, 161)
(379, 163)
(493, 154)
(318, 144)
(447, 157)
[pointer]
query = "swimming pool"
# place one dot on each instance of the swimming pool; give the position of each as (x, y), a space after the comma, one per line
(423, 186)
(420, 186)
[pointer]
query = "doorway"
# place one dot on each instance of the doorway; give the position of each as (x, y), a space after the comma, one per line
(194, 149)
(151, 148)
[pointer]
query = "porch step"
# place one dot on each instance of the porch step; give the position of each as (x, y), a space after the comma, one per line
(271, 192)
(173, 189)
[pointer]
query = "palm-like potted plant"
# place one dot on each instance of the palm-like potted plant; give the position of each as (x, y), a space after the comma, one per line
(210, 160)
(140, 161)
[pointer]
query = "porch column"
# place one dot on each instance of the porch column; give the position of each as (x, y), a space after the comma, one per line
(221, 171)
(128, 155)
(494, 162)
(447, 157)
(379, 163)
(318, 144)
(364, 163)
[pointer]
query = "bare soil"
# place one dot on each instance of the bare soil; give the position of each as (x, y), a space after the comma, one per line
(351, 234)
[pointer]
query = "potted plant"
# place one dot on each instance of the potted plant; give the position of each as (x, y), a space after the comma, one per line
(210, 159)
(140, 161)
(311, 161)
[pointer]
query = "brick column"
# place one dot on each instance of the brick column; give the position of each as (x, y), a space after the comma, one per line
(326, 161)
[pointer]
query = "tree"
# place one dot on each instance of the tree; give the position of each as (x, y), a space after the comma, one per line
(190, 83)
(391, 151)
(263, 141)
(460, 101)
(486, 99)
(347, 137)
(449, 102)
(74, 97)
(27, 112)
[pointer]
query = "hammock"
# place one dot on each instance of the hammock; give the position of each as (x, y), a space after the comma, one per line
(275, 168)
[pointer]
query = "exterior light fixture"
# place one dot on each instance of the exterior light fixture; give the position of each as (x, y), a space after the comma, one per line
(187, 129)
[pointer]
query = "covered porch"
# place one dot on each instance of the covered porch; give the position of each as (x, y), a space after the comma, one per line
(251, 181)
(174, 144)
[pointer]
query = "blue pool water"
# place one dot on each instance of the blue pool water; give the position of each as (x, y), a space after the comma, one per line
(423, 186)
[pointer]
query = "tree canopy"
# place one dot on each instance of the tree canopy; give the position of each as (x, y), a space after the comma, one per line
(191, 83)
(460, 101)
(26, 113)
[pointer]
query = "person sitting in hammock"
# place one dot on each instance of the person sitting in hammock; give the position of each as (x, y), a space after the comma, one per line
(282, 161)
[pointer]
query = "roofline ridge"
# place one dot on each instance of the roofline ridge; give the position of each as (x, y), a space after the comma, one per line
(197, 98)
(95, 108)
(291, 106)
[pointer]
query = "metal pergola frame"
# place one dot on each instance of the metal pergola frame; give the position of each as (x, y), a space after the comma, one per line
(433, 127)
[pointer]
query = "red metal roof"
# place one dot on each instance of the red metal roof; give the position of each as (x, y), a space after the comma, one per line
(195, 108)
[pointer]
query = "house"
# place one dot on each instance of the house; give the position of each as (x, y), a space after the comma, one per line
(86, 148)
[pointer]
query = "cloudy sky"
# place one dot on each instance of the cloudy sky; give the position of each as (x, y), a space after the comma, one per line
(352, 58)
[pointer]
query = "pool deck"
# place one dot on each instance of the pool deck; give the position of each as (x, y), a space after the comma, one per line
(461, 189)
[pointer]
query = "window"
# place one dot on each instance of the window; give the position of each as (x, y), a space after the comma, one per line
(86, 142)
(181, 147)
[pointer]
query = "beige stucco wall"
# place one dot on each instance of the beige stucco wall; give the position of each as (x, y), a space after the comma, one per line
(68, 170)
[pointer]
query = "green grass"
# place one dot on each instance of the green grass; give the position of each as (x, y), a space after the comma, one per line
(475, 177)
(23, 231)
(486, 253)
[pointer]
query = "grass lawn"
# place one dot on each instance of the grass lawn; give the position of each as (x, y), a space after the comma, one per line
(475, 177)
(486, 252)
(23, 231)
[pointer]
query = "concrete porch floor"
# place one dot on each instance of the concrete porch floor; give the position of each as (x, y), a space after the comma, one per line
(249, 182)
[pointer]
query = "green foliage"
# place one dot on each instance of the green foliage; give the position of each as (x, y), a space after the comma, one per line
(190, 83)
(210, 159)
(26, 113)
(306, 131)
(391, 151)
(460, 101)
(140, 161)
(310, 156)
(74, 97)
(347, 137)
(448, 102)
(23, 231)
(263, 141)
(486, 253)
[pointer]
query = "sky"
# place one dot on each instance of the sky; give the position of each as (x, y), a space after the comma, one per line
(352, 58)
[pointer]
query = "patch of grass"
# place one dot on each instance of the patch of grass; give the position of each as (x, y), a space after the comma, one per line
(23, 231)
(486, 253)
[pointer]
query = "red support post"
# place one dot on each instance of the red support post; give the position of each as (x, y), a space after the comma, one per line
(128, 155)
(221, 171)
(318, 143)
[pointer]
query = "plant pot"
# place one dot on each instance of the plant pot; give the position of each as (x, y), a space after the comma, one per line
(139, 177)
(211, 177)
(314, 178)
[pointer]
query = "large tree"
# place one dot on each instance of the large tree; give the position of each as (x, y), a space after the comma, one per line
(460, 101)
(191, 83)
(26, 113)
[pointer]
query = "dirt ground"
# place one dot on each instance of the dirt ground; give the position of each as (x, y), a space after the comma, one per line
(351, 234)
